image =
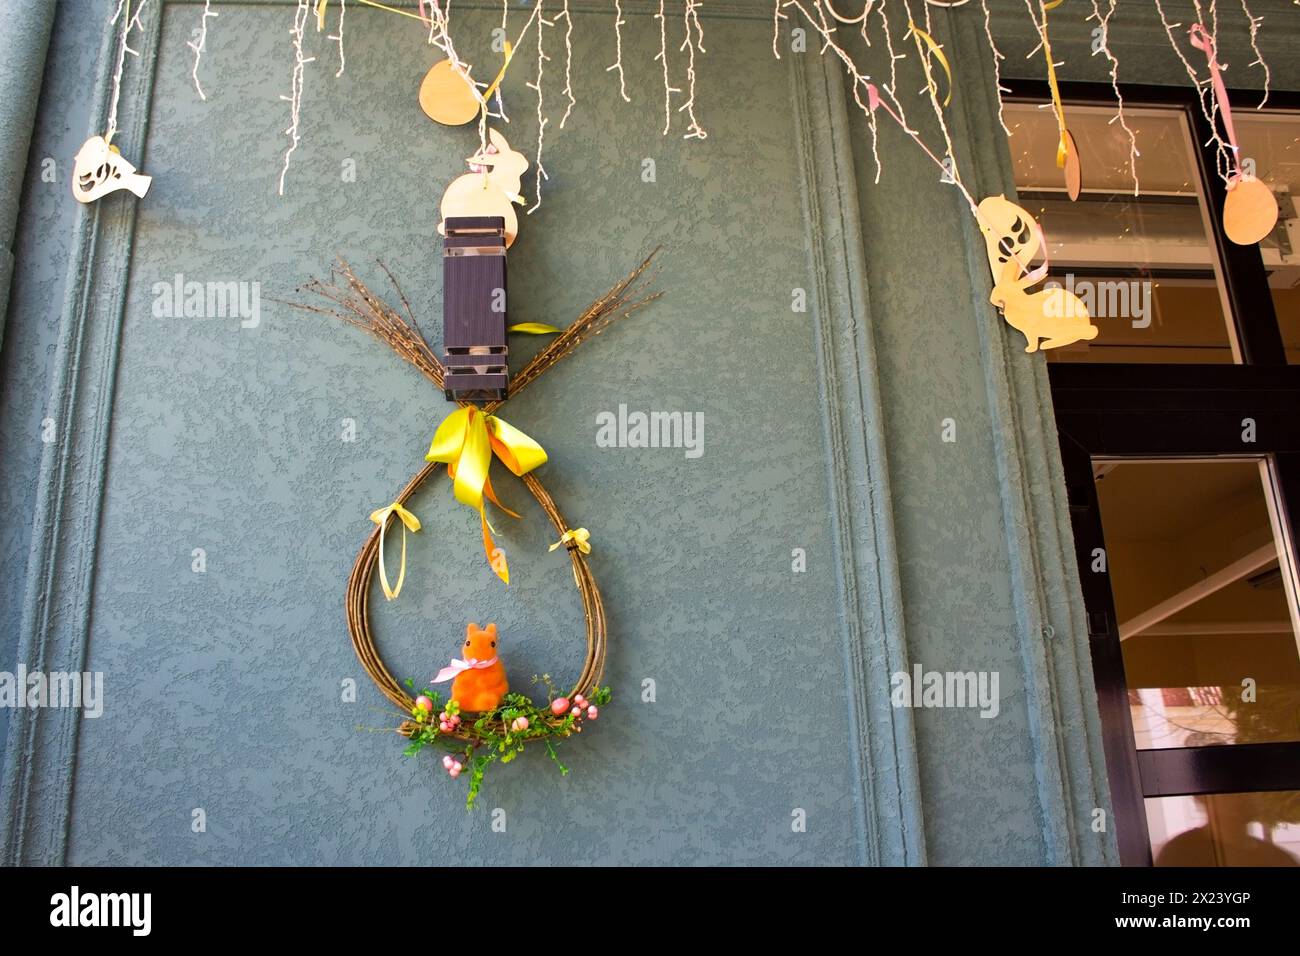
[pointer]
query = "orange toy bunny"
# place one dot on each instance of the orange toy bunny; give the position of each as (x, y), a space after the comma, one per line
(480, 679)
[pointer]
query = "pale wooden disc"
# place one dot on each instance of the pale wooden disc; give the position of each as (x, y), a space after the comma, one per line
(1073, 167)
(445, 96)
(1249, 212)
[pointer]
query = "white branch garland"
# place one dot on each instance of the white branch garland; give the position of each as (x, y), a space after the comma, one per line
(130, 22)
(1259, 57)
(618, 47)
(338, 38)
(1103, 25)
(200, 44)
(694, 130)
(295, 95)
(542, 24)
(568, 62)
(998, 57)
(1223, 153)
(663, 58)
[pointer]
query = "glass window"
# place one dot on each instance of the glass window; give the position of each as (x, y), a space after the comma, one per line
(1225, 829)
(1204, 600)
(1145, 266)
(1271, 141)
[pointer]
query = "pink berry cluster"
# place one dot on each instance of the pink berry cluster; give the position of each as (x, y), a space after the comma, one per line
(452, 765)
(580, 707)
(448, 722)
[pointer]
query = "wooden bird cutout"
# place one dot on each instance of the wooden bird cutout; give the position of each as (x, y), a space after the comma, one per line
(100, 169)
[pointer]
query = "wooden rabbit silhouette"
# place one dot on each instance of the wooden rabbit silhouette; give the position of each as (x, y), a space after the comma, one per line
(1054, 315)
(491, 192)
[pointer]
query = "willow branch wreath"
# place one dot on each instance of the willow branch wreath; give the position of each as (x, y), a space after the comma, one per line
(500, 734)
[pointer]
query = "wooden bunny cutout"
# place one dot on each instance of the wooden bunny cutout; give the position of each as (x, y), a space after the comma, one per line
(1054, 315)
(492, 190)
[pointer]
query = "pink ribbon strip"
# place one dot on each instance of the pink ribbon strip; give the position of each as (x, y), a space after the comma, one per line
(874, 101)
(1201, 39)
(459, 666)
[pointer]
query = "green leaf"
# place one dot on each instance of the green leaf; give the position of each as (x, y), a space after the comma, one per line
(550, 748)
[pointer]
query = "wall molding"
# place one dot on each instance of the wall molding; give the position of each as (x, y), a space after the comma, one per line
(40, 761)
(883, 746)
(1051, 628)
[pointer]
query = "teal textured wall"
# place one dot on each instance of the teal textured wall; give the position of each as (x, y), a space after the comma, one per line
(821, 432)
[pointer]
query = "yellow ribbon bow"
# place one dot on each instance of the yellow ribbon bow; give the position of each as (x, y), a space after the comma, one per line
(582, 537)
(409, 521)
(465, 443)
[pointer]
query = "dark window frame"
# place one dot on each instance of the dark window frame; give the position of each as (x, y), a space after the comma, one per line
(1176, 411)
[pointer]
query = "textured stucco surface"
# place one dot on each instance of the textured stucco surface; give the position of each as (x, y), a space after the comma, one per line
(224, 687)
(41, 247)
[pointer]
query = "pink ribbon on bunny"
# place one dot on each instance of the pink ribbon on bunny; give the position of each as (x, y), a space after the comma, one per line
(458, 667)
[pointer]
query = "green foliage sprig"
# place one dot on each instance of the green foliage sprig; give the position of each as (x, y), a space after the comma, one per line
(496, 736)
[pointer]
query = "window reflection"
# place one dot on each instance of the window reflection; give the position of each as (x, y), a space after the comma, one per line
(1145, 265)
(1225, 829)
(1204, 609)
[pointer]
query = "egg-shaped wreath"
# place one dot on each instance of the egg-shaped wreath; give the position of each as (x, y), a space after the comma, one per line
(473, 740)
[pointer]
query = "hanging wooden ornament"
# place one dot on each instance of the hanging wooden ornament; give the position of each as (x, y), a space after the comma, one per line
(447, 95)
(1250, 209)
(490, 189)
(1073, 166)
(1049, 318)
(100, 169)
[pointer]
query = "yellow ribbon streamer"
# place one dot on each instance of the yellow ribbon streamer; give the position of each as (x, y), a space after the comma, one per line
(534, 328)
(1062, 143)
(937, 52)
(465, 442)
(582, 537)
(409, 521)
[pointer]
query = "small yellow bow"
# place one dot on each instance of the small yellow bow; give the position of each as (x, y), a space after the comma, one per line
(409, 521)
(465, 443)
(581, 536)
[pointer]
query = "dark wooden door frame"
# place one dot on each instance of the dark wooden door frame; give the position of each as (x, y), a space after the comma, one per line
(1176, 411)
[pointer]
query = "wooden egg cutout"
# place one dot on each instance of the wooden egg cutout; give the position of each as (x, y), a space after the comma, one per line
(1249, 212)
(1073, 168)
(446, 98)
